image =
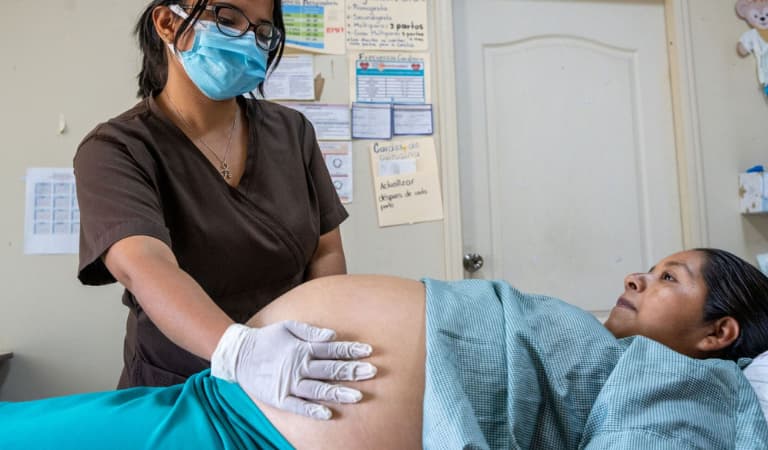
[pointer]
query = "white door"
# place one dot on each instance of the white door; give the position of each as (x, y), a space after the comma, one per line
(568, 167)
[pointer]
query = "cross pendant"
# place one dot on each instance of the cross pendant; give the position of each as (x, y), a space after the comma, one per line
(225, 172)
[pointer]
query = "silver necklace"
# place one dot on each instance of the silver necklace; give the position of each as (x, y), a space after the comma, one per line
(223, 166)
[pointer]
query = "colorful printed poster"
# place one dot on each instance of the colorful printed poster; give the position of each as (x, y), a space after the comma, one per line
(390, 78)
(392, 25)
(406, 181)
(316, 26)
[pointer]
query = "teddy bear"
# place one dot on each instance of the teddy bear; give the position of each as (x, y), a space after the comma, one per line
(755, 40)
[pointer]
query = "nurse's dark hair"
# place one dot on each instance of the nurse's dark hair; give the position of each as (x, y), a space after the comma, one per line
(736, 288)
(154, 66)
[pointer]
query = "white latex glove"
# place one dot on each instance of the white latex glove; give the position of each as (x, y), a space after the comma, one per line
(282, 365)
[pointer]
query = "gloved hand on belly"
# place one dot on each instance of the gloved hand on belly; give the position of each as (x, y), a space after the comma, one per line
(287, 365)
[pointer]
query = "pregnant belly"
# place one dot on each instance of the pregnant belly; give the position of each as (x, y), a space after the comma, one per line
(387, 313)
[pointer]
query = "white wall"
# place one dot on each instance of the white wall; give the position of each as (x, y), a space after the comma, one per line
(733, 115)
(79, 58)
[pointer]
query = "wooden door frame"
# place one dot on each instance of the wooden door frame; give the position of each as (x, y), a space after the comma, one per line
(685, 115)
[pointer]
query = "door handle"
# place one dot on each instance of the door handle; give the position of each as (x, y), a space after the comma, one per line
(473, 262)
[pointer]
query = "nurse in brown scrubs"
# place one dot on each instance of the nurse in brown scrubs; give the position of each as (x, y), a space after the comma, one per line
(207, 205)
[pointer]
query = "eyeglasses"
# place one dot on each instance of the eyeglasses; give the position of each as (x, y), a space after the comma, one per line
(234, 23)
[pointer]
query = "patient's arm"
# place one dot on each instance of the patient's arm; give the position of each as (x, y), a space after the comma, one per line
(387, 313)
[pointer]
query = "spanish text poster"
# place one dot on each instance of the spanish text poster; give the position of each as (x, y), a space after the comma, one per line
(390, 78)
(406, 181)
(338, 158)
(391, 25)
(52, 216)
(371, 121)
(331, 122)
(317, 25)
(412, 120)
(294, 79)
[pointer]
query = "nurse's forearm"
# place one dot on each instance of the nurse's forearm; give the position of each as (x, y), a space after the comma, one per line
(329, 264)
(172, 299)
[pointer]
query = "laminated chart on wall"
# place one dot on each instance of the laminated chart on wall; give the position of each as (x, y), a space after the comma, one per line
(52, 215)
(391, 25)
(294, 79)
(406, 181)
(390, 78)
(412, 120)
(331, 122)
(371, 121)
(338, 159)
(316, 25)
(385, 120)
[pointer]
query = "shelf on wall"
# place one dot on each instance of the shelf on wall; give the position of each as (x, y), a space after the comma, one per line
(5, 355)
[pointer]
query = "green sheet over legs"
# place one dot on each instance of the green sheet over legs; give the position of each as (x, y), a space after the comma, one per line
(205, 412)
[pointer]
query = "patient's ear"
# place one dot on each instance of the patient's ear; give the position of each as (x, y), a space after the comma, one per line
(723, 332)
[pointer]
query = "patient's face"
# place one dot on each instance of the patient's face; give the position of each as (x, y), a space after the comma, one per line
(666, 304)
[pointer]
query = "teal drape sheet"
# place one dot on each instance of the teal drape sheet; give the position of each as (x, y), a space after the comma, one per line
(203, 413)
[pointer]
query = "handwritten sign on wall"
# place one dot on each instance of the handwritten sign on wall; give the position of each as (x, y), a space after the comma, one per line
(395, 25)
(406, 181)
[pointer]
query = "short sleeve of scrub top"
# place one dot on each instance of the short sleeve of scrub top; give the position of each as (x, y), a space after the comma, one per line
(139, 175)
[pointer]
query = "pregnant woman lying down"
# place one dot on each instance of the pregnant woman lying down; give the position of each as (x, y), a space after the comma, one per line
(474, 364)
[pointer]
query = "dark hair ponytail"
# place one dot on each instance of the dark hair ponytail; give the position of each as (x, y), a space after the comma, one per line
(736, 288)
(276, 54)
(154, 66)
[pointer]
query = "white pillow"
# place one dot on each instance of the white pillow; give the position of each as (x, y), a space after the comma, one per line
(757, 374)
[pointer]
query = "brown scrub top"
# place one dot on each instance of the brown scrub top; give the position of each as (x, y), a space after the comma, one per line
(138, 174)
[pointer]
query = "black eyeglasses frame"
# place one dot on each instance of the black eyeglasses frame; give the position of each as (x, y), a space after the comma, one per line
(215, 8)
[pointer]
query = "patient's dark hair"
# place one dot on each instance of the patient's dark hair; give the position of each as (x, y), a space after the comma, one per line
(737, 289)
(154, 67)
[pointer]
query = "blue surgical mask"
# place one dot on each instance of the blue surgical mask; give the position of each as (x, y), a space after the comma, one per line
(222, 67)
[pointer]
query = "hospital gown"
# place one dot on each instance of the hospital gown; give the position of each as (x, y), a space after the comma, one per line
(508, 370)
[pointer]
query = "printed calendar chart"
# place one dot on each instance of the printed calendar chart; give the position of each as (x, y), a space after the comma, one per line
(52, 222)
